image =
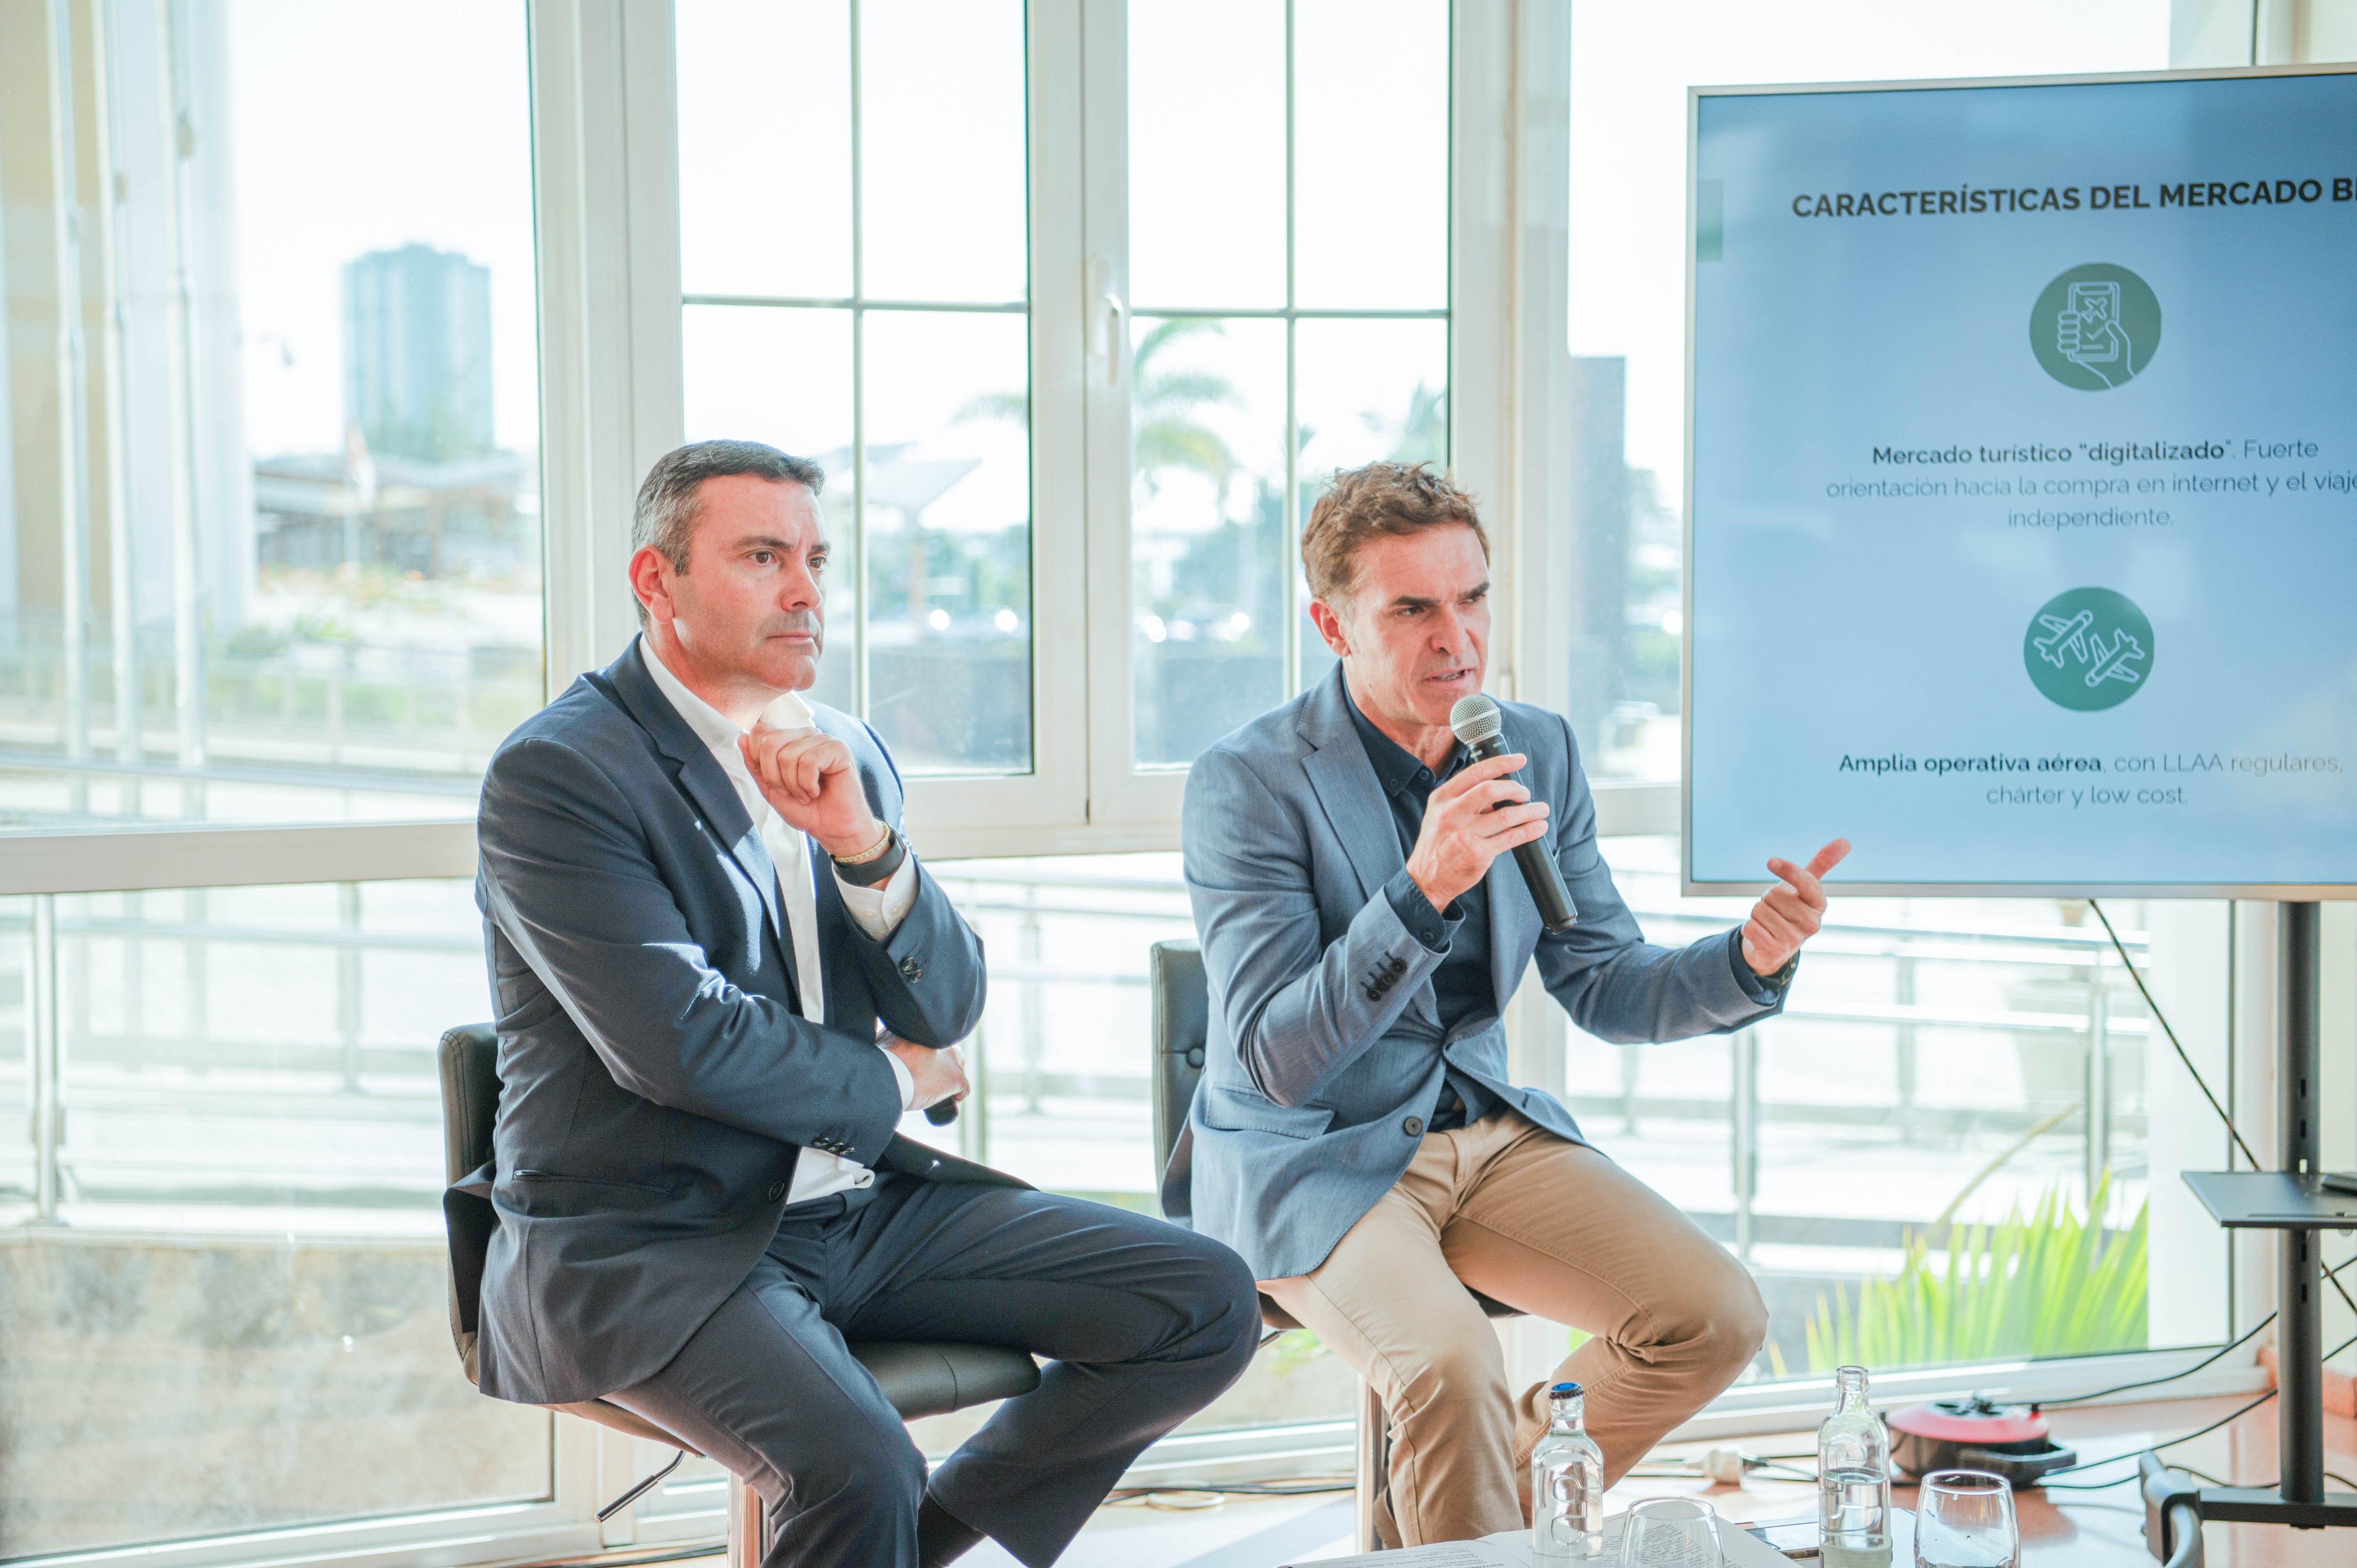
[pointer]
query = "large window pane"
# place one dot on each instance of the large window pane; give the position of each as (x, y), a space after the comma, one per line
(1366, 391)
(771, 75)
(1273, 344)
(1630, 66)
(783, 376)
(941, 150)
(948, 488)
(269, 515)
(1370, 389)
(1371, 160)
(1211, 551)
(238, 1297)
(922, 416)
(1207, 177)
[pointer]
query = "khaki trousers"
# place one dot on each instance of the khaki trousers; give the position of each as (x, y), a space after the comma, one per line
(1552, 1229)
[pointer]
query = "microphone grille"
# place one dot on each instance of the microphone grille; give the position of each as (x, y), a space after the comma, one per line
(1476, 719)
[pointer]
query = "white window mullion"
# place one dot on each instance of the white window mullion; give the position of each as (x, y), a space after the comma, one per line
(1045, 811)
(607, 187)
(1120, 797)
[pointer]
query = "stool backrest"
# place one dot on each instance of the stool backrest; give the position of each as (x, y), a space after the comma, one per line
(1182, 1024)
(469, 1060)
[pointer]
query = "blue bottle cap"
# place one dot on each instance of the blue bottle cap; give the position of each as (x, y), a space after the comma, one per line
(1568, 1389)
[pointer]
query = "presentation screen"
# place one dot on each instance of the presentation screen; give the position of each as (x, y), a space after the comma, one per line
(2022, 485)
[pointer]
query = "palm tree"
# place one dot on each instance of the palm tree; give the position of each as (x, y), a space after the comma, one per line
(1422, 436)
(1164, 433)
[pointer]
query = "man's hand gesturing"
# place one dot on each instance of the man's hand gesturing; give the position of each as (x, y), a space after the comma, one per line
(1469, 822)
(1791, 911)
(809, 779)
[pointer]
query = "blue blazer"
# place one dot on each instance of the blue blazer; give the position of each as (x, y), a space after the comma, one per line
(659, 1083)
(1326, 1051)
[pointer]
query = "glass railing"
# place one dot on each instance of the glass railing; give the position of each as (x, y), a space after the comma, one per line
(1945, 1046)
(206, 1067)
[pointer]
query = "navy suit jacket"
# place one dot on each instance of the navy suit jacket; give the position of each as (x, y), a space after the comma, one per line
(1327, 1051)
(659, 1081)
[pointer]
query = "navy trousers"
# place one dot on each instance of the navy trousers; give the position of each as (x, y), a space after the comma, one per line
(1143, 1323)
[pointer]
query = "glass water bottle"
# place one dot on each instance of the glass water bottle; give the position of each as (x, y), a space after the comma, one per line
(1854, 1479)
(1567, 1483)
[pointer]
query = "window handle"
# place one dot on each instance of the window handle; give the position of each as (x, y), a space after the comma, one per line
(1108, 319)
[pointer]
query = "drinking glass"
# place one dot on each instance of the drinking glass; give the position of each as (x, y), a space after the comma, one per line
(1670, 1532)
(1963, 1519)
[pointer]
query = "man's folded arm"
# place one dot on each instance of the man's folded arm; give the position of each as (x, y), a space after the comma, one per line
(912, 927)
(1301, 1009)
(1616, 986)
(926, 968)
(571, 883)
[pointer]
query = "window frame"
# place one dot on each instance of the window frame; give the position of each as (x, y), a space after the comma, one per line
(606, 199)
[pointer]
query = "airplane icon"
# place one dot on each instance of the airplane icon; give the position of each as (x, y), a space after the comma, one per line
(2112, 663)
(2065, 635)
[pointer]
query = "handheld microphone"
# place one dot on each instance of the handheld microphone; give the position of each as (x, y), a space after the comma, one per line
(1479, 724)
(942, 1112)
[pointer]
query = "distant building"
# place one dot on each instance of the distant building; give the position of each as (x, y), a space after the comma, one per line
(473, 518)
(417, 353)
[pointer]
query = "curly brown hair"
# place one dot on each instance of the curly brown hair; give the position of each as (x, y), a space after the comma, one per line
(1398, 498)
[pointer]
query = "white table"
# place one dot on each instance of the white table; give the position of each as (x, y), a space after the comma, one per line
(1738, 1549)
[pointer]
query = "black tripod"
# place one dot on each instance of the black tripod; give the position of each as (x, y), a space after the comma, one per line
(2293, 1201)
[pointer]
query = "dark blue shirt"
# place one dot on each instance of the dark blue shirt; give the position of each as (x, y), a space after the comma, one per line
(1462, 987)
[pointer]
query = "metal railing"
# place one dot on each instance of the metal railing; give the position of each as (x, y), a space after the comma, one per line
(343, 1076)
(314, 713)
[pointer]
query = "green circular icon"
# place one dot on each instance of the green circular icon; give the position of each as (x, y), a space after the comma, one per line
(2088, 649)
(2095, 327)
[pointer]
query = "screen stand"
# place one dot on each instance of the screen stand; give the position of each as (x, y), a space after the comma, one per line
(2293, 1202)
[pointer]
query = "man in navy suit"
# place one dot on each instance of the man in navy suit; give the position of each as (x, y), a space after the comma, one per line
(722, 977)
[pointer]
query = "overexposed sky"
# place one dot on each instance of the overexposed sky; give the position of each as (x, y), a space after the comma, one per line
(425, 136)
(766, 196)
(1631, 62)
(358, 127)
(766, 209)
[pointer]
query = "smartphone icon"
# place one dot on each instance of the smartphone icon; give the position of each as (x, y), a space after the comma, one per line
(2089, 332)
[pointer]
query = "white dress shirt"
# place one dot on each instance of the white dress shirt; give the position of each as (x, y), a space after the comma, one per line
(878, 910)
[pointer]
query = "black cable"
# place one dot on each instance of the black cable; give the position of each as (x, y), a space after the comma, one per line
(1790, 1473)
(2206, 1475)
(2332, 1273)
(2156, 1382)
(2198, 1081)
(2224, 1420)
(2204, 1432)
(1310, 1488)
(2045, 1485)
(2162, 1019)
(2124, 1480)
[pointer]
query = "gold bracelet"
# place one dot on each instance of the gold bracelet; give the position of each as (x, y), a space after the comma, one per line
(883, 842)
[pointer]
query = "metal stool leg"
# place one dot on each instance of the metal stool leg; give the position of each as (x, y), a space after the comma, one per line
(746, 1525)
(1375, 1463)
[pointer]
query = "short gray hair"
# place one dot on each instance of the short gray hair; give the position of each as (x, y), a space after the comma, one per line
(665, 519)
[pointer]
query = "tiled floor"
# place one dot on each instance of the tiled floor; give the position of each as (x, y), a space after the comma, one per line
(2095, 1529)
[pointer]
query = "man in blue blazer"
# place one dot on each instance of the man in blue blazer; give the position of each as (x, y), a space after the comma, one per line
(1355, 1136)
(721, 977)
